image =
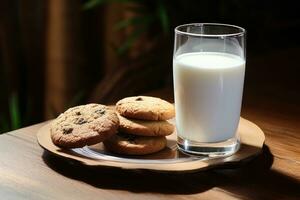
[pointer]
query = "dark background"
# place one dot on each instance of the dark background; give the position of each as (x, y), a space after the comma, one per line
(56, 54)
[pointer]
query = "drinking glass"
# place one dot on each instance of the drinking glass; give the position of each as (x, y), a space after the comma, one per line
(208, 70)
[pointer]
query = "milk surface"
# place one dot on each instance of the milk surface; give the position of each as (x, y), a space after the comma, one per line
(208, 94)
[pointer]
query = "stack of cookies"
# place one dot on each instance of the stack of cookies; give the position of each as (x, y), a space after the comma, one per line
(143, 127)
(138, 127)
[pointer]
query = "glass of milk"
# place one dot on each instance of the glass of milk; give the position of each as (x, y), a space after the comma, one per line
(208, 71)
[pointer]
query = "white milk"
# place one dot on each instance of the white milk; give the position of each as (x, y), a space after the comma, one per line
(208, 95)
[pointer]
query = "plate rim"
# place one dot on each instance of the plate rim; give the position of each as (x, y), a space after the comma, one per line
(190, 166)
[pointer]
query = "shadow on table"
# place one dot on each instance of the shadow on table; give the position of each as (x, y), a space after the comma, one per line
(254, 180)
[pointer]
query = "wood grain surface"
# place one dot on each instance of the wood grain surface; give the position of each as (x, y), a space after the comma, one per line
(28, 172)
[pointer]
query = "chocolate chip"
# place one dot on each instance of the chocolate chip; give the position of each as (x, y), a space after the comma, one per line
(139, 99)
(78, 113)
(80, 121)
(67, 130)
(100, 112)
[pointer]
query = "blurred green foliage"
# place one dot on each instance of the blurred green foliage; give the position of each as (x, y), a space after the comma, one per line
(157, 18)
(14, 119)
(146, 15)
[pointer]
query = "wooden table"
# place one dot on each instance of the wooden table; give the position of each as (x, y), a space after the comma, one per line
(28, 172)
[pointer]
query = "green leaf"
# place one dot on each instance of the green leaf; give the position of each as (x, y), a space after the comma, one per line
(144, 20)
(163, 17)
(125, 1)
(138, 9)
(14, 112)
(92, 4)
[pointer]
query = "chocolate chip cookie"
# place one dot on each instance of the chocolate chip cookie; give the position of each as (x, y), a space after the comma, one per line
(127, 144)
(84, 125)
(145, 128)
(145, 108)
